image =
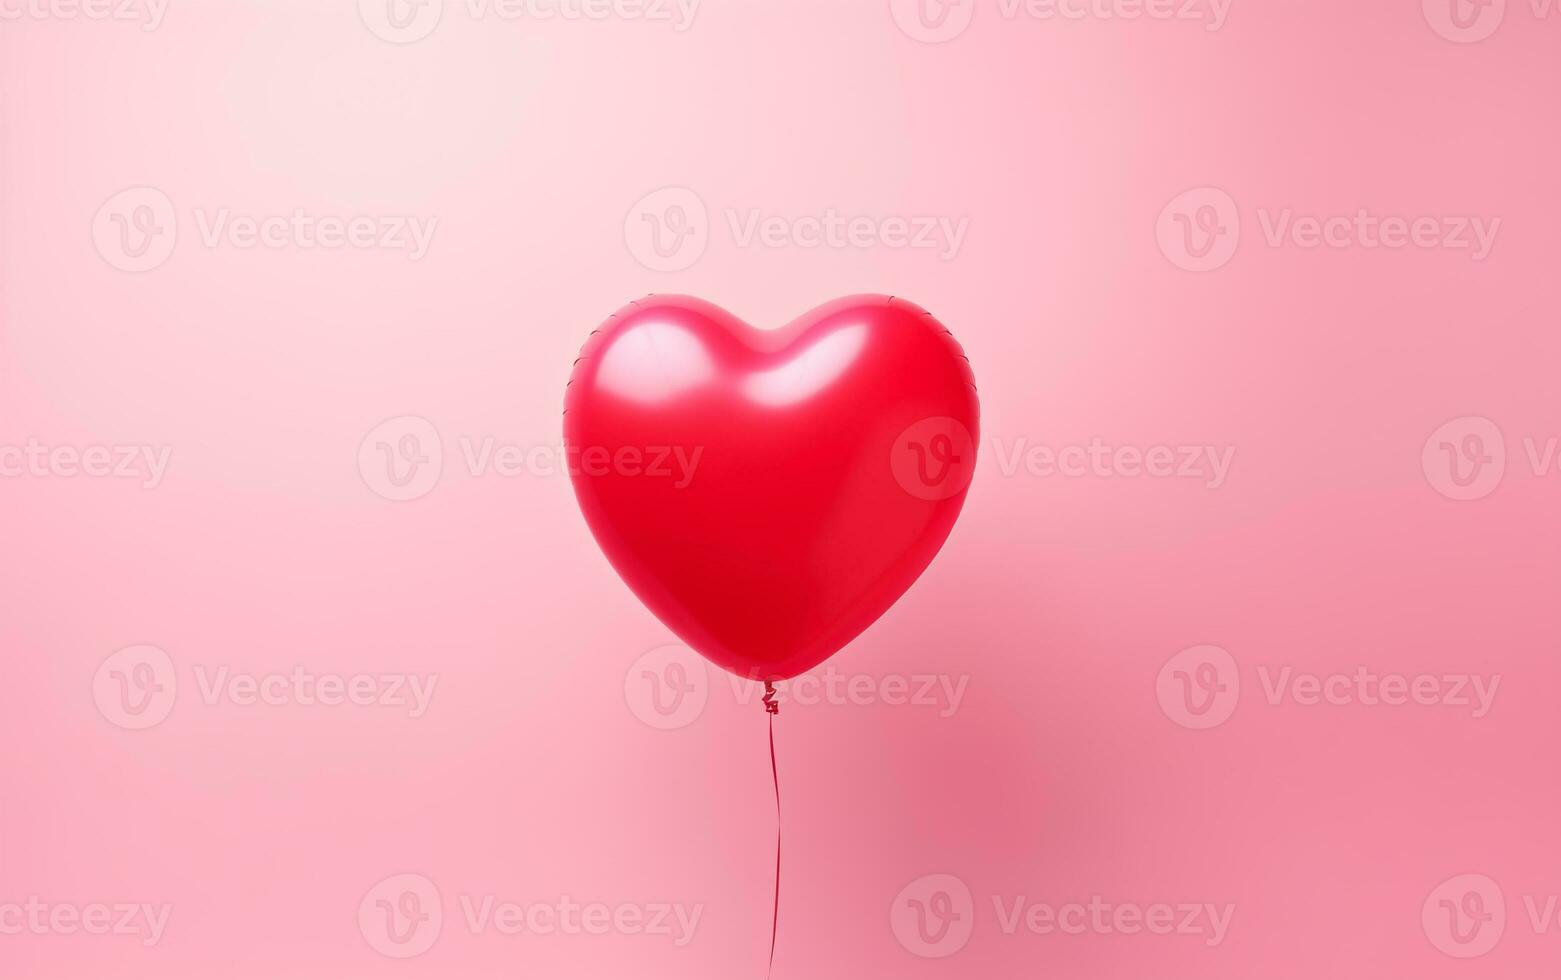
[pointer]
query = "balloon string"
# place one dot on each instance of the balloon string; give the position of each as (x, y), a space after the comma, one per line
(773, 709)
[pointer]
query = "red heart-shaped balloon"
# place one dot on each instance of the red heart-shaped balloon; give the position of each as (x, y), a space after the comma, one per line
(768, 494)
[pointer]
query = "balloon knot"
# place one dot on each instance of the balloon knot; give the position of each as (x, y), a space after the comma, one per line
(769, 698)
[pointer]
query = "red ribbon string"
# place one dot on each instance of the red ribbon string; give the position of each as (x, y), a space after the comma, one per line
(774, 709)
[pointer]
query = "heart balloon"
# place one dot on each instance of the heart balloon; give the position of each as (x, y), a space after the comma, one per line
(768, 494)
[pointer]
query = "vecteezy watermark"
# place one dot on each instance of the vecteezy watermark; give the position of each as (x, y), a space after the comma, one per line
(1474, 693)
(934, 458)
(409, 693)
(1469, 21)
(936, 21)
(674, 464)
(1207, 463)
(1211, 14)
(403, 916)
(1466, 458)
(1464, 21)
(137, 229)
(403, 459)
(941, 694)
(35, 460)
(935, 915)
(34, 917)
(137, 687)
(148, 13)
(932, 21)
(406, 21)
(669, 229)
(668, 688)
(1101, 917)
(831, 229)
(1200, 230)
(1466, 915)
(563, 916)
(1200, 687)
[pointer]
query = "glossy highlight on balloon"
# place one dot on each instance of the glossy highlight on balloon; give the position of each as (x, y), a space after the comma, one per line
(768, 494)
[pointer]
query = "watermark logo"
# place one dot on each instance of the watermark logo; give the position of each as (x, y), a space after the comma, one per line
(302, 230)
(136, 230)
(412, 693)
(1365, 229)
(136, 687)
(406, 21)
(1204, 462)
(1209, 921)
(1366, 687)
(566, 917)
(35, 460)
(143, 920)
(932, 21)
(1199, 229)
(933, 916)
(148, 13)
(1199, 687)
(933, 459)
(1465, 459)
(1471, 21)
(402, 458)
(828, 685)
(674, 465)
(935, 21)
(667, 687)
(1210, 13)
(941, 235)
(1464, 21)
(401, 21)
(1465, 916)
(667, 230)
(401, 917)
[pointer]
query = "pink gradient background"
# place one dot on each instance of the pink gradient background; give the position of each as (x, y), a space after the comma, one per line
(1060, 777)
